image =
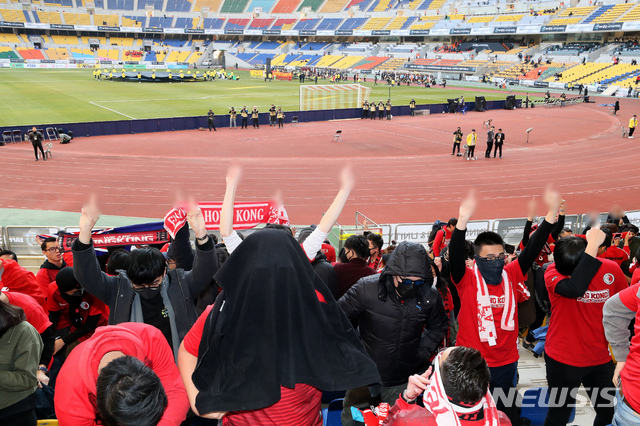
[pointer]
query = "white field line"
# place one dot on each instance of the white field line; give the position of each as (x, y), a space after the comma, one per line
(112, 110)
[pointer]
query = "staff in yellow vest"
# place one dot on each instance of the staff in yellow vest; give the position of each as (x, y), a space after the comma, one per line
(633, 123)
(244, 114)
(280, 116)
(471, 144)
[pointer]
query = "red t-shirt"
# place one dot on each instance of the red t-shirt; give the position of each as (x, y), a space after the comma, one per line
(616, 254)
(576, 334)
(17, 279)
(441, 241)
(506, 349)
(89, 306)
(34, 312)
(630, 375)
(297, 407)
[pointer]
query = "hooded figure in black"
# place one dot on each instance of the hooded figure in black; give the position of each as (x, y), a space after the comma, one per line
(402, 321)
(275, 324)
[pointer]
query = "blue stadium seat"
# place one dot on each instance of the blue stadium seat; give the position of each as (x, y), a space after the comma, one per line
(536, 410)
(331, 414)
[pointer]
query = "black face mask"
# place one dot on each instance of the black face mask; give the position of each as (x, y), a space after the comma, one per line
(491, 271)
(147, 293)
(408, 291)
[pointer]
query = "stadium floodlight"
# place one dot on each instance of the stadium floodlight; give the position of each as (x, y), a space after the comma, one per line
(332, 96)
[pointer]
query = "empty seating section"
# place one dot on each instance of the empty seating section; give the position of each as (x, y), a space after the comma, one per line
(401, 23)
(307, 24)
(121, 41)
(234, 6)
(580, 71)
(260, 24)
(212, 5)
(283, 24)
(48, 17)
(509, 18)
(431, 4)
(160, 22)
(82, 54)
(7, 53)
(70, 40)
(328, 60)
(178, 6)
(370, 63)
(279, 60)
(213, 23)
(391, 64)
(610, 15)
(260, 58)
(286, 6)
(151, 56)
(611, 74)
(102, 41)
(425, 23)
(177, 56)
(333, 6)
(268, 45)
(57, 53)
(576, 11)
(10, 38)
(194, 57)
(314, 5)
(110, 20)
(597, 13)
(120, 4)
(376, 23)
(564, 21)
(79, 18)
(363, 5)
(480, 19)
(11, 15)
(236, 24)
(347, 62)
(245, 56)
(132, 21)
(329, 24)
(632, 15)
(313, 46)
(304, 60)
(109, 54)
(30, 53)
(353, 23)
(265, 5)
(157, 4)
(63, 3)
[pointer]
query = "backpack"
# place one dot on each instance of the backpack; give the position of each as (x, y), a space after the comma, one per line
(437, 225)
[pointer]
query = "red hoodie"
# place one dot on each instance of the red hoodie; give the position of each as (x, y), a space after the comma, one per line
(76, 386)
(441, 241)
(17, 279)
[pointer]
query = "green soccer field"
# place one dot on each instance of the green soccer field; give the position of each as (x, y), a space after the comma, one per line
(67, 96)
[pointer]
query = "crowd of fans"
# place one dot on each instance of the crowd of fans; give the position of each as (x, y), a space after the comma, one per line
(253, 330)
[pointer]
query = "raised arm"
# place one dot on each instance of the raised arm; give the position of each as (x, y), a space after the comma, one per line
(313, 243)
(205, 264)
(229, 236)
(559, 224)
(457, 246)
(538, 239)
(577, 284)
(529, 223)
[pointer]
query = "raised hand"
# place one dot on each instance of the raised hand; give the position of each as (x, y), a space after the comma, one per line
(90, 214)
(533, 205)
(196, 219)
(552, 199)
(347, 178)
(417, 384)
(234, 174)
(468, 206)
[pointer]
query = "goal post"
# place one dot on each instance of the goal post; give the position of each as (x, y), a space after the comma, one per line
(332, 96)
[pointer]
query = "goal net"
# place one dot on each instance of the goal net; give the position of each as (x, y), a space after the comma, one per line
(335, 96)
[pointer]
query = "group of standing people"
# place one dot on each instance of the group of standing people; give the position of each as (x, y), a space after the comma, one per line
(276, 116)
(369, 109)
(495, 140)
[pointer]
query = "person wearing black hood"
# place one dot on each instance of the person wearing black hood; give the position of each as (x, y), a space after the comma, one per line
(71, 303)
(274, 339)
(321, 265)
(402, 322)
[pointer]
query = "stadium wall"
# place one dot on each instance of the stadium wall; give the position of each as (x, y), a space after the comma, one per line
(152, 125)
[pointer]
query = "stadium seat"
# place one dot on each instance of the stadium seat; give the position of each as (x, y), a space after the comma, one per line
(50, 422)
(7, 137)
(47, 150)
(331, 414)
(16, 136)
(536, 410)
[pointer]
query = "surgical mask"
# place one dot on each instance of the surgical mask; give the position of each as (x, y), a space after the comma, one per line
(408, 289)
(491, 270)
(147, 292)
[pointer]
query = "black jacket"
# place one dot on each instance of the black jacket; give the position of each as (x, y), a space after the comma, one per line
(398, 334)
(325, 271)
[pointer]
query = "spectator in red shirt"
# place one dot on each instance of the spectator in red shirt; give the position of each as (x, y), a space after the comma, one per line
(274, 339)
(489, 295)
(14, 277)
(576, 350)
(54, 262)
(329, 251)
(619, 311)
(375, 250)
(356, 249)
(38, 319)
(611, 251)
(124, 374)
(84, 312)
(8, 255)
(443, 236)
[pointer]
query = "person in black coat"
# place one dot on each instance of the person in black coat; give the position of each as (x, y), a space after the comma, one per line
(616, 107)
(322, 266)
(402, 321)
(36, 140)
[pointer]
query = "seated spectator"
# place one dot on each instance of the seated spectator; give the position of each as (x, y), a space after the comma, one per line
(8, 255)
(489, 295)
(14, 277)
(356, 250)
(147, 292)
(35, 316)
(20, 350)
(123, 375)
(610, 249)
(53, 263)
(82, 311)
(457, 393)
(274, 305)
(401, 319)
(576, 350)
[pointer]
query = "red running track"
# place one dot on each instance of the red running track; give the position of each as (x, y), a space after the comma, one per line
(405, 171)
